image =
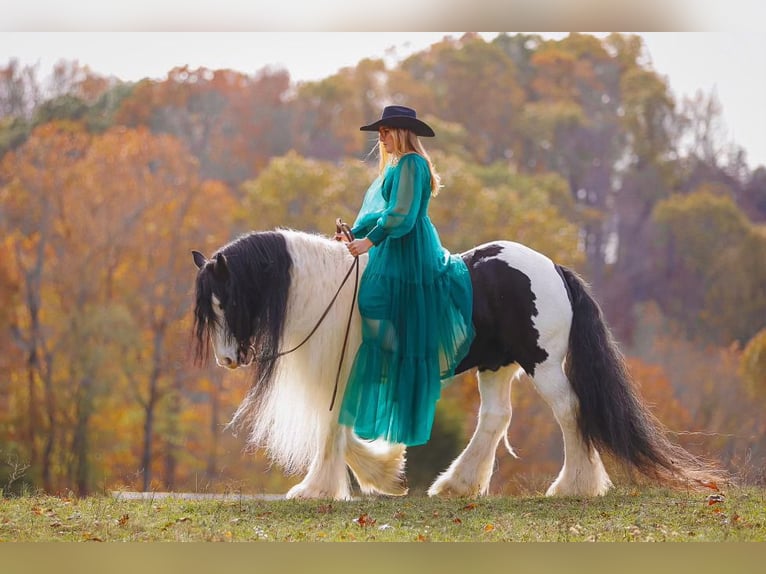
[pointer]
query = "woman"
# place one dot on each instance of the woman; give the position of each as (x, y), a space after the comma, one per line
(414, 297)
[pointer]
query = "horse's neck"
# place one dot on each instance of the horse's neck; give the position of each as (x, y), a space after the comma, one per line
(318, 266)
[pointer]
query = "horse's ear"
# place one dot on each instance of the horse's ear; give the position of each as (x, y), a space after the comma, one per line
(199, 259)
(220, 267)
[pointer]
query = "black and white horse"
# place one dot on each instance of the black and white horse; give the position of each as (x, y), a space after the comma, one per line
(264, 292)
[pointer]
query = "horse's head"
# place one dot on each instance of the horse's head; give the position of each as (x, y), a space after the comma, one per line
(212, 313)
(241, 299)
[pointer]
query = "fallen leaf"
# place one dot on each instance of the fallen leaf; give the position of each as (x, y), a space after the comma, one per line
(456, 520)
(709, 484)
(365, 520)
(37, 510)
(489, 528)
(123, 520)
(470, 506)
(421, 538)
(715, 499)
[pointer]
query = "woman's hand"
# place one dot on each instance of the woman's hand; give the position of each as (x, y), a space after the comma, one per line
(340, 237)
(359, 246)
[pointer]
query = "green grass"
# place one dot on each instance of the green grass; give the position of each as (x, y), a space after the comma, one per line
(624, 515)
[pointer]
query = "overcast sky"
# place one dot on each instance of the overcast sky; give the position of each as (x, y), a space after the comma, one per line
(731, 63)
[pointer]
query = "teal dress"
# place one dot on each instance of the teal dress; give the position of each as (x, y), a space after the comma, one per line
(415, 299)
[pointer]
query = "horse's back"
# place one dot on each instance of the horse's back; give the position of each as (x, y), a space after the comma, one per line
(521, 308)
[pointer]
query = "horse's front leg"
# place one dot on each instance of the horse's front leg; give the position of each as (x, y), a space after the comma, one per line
(327, 476)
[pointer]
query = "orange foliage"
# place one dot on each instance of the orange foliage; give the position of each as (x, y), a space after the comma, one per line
(654, 387)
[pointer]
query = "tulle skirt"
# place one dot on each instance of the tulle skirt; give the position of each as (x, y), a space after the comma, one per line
(415, 299)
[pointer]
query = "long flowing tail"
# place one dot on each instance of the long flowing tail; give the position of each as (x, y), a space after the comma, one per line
(612, 416)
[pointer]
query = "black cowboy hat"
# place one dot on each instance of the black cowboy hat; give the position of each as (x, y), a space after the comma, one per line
(400, 117)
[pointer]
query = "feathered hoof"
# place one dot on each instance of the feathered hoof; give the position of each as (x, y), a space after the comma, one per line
(303, 491)
(580, 488)
(398, 488)
(452, 487)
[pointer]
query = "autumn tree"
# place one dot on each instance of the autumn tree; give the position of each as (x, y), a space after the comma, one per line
(753, 200)
(308, 194)
(31, 180)
(753, 364)
(486, 203)
(707, 275)
(232, 123)
(473, 83)
(328, 112)
(152, 214)
(20, 91)
(725, 422)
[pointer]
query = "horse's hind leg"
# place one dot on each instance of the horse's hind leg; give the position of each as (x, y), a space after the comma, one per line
(470, 473)
(583, 473)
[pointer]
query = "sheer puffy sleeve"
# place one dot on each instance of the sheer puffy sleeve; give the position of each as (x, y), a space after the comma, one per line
(373, 206)
(410, 180)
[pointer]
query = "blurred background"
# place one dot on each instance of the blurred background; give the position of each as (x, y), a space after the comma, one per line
(573, 144)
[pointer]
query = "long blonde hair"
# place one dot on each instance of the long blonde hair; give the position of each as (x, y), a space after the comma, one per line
(405, 141)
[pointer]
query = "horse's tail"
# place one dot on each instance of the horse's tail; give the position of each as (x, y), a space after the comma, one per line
(612, 416)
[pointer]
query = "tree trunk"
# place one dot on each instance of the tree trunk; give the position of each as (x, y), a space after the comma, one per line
(80, 440)
(50, 438)
(151, 406)
(172, 438)
(32, 416)
(212, 457)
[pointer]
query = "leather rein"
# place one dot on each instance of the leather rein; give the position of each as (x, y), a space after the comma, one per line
(343, 228)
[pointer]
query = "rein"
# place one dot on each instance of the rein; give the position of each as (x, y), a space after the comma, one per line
(343, 228)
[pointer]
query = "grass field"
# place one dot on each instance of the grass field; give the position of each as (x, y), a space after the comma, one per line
(624, 515)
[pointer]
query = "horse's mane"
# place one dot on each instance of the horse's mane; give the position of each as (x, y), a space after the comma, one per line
(254, 297)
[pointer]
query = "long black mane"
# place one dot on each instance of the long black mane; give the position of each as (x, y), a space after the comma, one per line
(251, 278)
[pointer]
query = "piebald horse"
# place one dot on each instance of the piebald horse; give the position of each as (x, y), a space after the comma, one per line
(263, 293)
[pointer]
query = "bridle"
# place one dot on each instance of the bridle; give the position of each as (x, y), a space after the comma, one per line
(343, 228)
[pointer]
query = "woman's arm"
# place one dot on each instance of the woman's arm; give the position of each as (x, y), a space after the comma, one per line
(399, 216)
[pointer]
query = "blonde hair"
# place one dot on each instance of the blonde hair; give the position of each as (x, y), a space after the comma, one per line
(406, 141)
